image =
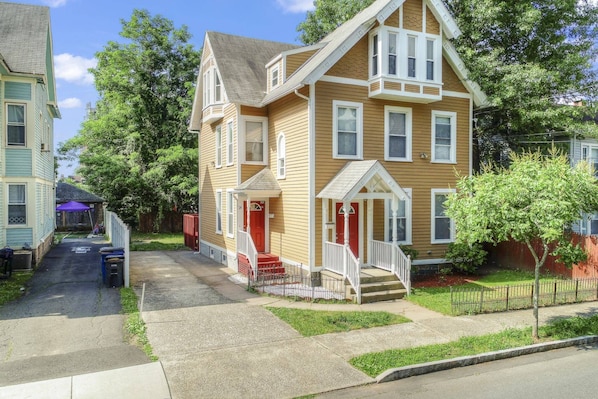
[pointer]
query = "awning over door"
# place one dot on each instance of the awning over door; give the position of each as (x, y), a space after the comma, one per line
(261, 185)
(349, 182)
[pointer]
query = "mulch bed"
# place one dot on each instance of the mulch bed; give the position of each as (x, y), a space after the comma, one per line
(438, 280)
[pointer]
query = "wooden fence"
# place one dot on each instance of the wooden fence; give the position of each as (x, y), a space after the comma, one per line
(516, 255)
(472, 300)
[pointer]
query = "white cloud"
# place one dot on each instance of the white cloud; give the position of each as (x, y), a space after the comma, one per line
(73, 68)
(71, 102)
(296, 6)
(54, 3)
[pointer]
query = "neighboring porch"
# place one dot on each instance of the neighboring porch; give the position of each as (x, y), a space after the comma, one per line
(345, 252)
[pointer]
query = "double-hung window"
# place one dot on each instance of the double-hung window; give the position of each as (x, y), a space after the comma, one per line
(443, 230)
(444, 137)
(17, 206)
(229, 143)
(218, 211)
(275, 78)
(255, 139)
(15, 121)
(403, 230)
(281, 156)
(589, 153)
(218, 146)
(212, 87)
(347, 130)
(392, 53)
(230, 214)
(430, 56)
(207, 88)
(217, 88)
(397, 128)
(375, 58)
(411, 56)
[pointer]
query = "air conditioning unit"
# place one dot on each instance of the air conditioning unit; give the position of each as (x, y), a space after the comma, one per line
(45, 148)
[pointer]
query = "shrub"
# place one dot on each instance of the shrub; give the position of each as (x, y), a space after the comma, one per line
(466, 257)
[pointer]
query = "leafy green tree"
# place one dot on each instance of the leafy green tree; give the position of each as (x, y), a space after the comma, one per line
(327, 16)
(530, 58)
(135, 150)
(536, 198)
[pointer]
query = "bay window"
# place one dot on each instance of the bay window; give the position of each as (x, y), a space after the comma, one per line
(15, 124)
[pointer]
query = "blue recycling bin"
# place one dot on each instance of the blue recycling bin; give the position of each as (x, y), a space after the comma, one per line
(109, 251)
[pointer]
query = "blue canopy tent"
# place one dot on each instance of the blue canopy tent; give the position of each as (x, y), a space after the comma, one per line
(74, 206)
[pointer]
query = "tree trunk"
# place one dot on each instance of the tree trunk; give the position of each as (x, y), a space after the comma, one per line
(535, 335)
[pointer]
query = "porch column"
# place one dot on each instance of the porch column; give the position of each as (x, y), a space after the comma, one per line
(395, 208)
(346, 208)
(248, 228)
(370, 227)
(324, 229)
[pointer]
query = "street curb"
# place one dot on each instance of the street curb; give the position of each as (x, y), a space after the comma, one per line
(424, 368)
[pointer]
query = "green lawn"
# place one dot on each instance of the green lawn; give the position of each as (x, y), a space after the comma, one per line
(311, 322)
(10, 289)
(439, 298)
(157, 242)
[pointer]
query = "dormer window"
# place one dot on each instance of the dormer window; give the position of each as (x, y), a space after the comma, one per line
(411, 56)
(275, 80)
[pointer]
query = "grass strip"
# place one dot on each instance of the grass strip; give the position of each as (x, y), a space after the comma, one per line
(12, 288)
(311, 322)
(134, 324)
(157, 242)
(377, 362)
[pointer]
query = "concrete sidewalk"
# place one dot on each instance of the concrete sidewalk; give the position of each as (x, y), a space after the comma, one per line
(146, 381)
(215, 339)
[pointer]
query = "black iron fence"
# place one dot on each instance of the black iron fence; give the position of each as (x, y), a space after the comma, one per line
(472, 300)
(298, 284)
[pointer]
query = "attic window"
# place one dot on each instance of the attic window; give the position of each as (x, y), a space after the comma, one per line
(275, 80)
(212, 87)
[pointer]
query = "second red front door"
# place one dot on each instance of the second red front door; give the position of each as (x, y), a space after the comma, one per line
(353, 226)
(257, 223)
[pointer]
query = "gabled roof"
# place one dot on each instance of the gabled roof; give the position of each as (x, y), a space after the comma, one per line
(262, 184)
(67, 192)
(341, 40)
(24, 32)
(355, 175)
(241, 62)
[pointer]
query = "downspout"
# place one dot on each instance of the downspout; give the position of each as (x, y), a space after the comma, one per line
(310, 177)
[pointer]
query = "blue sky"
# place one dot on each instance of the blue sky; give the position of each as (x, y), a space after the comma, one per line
(81, 28)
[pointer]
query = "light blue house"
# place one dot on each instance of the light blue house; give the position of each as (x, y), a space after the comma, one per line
(28, 106)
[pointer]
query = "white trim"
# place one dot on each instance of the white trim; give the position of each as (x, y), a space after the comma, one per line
(218, 201)
(281, 155)
(241, 139)
(276, 68)
(311, 195)
(25, 124)
(449, 93)
(24, 203)
(230, 213)
(433, 240)
(230, 142)
(218, 145)
(453, 148)
(408, 218)
(345, 81)
(359, 129)
(408, 112)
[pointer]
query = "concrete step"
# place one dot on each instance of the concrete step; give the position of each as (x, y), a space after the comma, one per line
(381, 286)
(380, 296)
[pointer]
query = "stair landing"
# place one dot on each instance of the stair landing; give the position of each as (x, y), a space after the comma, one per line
(268, 265)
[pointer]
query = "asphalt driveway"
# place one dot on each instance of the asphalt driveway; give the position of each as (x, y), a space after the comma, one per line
(67, 323)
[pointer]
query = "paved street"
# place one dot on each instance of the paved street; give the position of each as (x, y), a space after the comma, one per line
(68, 323)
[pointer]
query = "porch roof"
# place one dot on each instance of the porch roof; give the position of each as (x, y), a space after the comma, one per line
(355, 176)
(262, 184)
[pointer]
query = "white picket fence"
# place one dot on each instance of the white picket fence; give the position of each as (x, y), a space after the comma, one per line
(120, 235)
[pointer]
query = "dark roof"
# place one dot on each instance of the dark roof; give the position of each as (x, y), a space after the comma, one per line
(67, 192)
(24, 33)
(241, 62)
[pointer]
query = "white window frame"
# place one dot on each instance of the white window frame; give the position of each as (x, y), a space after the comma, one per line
(217, 87)
(408, 219)
(411, 56)
(218, 139)
(359, 127)
(230, 213)
(212, 87)
(586, 155)
(20, 204)
(431, 60)
(395, 54)
(230, 144)
(23, 125)
(388, 109)
(207, 88)
(375, 64)
(219, 212)
(281, 155)
(434, 240)
(264, 121)
(453, 148)
(275, 76)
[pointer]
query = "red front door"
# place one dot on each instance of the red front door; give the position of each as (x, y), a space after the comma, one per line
(257, 223)
(353, 226)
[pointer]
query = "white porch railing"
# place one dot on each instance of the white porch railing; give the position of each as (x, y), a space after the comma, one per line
(341, 260)
(390, 257)
(246, 247)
